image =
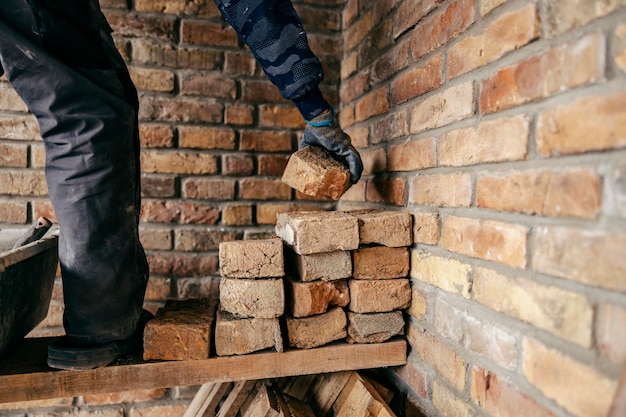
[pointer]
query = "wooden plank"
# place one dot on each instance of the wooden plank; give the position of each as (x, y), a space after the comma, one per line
(24, 375)
(359, 398)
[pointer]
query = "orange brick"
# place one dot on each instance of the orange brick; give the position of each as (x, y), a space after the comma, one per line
(13, 155)
(414, 155)
(272, 165)
(284, 117)
(453, 104)
(264, 141)
(437, 355)
(575, 386)
(426, 228)
(383, 130)
(171, 211)
(237, 215)
(611, 332)
(237, 165)
(498, 398)
(620, 46)
(357, 31)
(379, 296)
(497, 140)
(372, 104)
(540, 76)
(416, 81)
(200, 240)
(262, 258)
(181, 265)
(593, 257)
(156, 136)
(178, 162)
(206, 137)
(495, 241)
(444, 190)
(575, 192)
(263, 189)
(239, 114)
(159, 289)
(208, 188)
(152, 79)
(380, 262)
(179, 110)
(560, 17)
(386, 190)
(349, 12)
(353, 88)
(266, 213)
(317, 330)
(315, 297)
(511, 30)
(215, 86)
(441, 27)
(207, 33)
(565, 128)
(383, 227)
(389, 64)
(409, 12)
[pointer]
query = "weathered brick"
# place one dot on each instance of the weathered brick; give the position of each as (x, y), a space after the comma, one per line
(158, 185)
(13, 155)
(23, 183)
(380, 262)
(178, 162)
(414, 375)
(152, 79)
(495, 241)
(409, 12)
(266, 213)
(182, 265)
(351, 89)
(155, 238)
(469, 331)
(416, 81)
(243, 298)
(315, 297)
(575, 192)
(159, 289)
(379, 296)
(314, 172)
(263, 189)
(207, 33)
(12, 211)
(206, 137)
(449, 402)
(386, 190)
(281, 117)
(207, 85)
(318, 231)
(237, 215)
(172, 211)
(184, 7)
(575, 386)
(180, 331)
(204, 188)
(10, 100)
(487, 6)
(135, 25)
(498, 398)
(202, 239)
(374, 161)
(560, 17)
(179, 110)
(564, 129)
(620, 46)
(593, 257)
(318, 330)
(357, 31)
(385, 129)
(37, 155)
(372, 104)
(239, 63)
(327, 266)
(611, 331)
(441, 27)
(443, 190)
(499, 140)
(389, 64)
(156, 136)
(426, 228)
(260, 91)
(241, 336)
(414, 155)
(383, 227)
(356, 192)
(557, 70)
(419, 302)
(454, 103)
(272, 165)
(512, 30)
(237, 165)
(252, 259)
(196, 287)
(437, 355)
(445, 273)
(239, 114)
(374, 327)
(19, 127)
(263, 141)
(616, 186)
(125, 396)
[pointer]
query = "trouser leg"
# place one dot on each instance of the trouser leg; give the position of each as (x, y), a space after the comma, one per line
(88, 120)
(274, 33)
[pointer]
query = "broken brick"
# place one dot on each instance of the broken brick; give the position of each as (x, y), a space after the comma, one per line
(310, 298)
(374, 327)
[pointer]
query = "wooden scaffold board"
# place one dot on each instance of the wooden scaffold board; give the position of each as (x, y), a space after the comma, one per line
(25, 376)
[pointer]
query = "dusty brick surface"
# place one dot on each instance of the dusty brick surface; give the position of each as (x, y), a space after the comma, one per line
(379, 296)
(314, 172)
(240, 336)
(318, 330)
(263, 298)
(374, 327)
(261, 258)
(443, 272)
(453, 104)
(387, 228)
(326, 266)
(380, 262)
(443, 190)
(180, 331)
(315, 297)
(318, 231)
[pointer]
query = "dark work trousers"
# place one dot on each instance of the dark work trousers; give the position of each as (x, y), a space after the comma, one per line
(60, 58)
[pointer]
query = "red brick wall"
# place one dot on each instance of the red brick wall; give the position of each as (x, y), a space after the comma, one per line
(501, 125)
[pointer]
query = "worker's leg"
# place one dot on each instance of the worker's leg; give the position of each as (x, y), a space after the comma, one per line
(86, 107)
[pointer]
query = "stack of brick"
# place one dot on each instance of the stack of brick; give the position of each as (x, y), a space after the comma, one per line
(252, 296)
(358, 260)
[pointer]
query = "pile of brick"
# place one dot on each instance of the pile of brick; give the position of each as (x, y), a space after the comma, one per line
(328, 276)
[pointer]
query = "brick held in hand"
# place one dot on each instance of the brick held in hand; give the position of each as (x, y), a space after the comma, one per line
(314, 172)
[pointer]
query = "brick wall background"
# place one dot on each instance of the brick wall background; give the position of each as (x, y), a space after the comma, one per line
(500, 125)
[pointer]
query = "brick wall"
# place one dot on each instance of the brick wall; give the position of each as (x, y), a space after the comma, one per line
(499, 125)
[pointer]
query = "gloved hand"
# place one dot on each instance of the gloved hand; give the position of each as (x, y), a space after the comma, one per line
(324, 131)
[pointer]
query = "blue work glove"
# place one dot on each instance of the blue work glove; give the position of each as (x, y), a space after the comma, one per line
(324, 131)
